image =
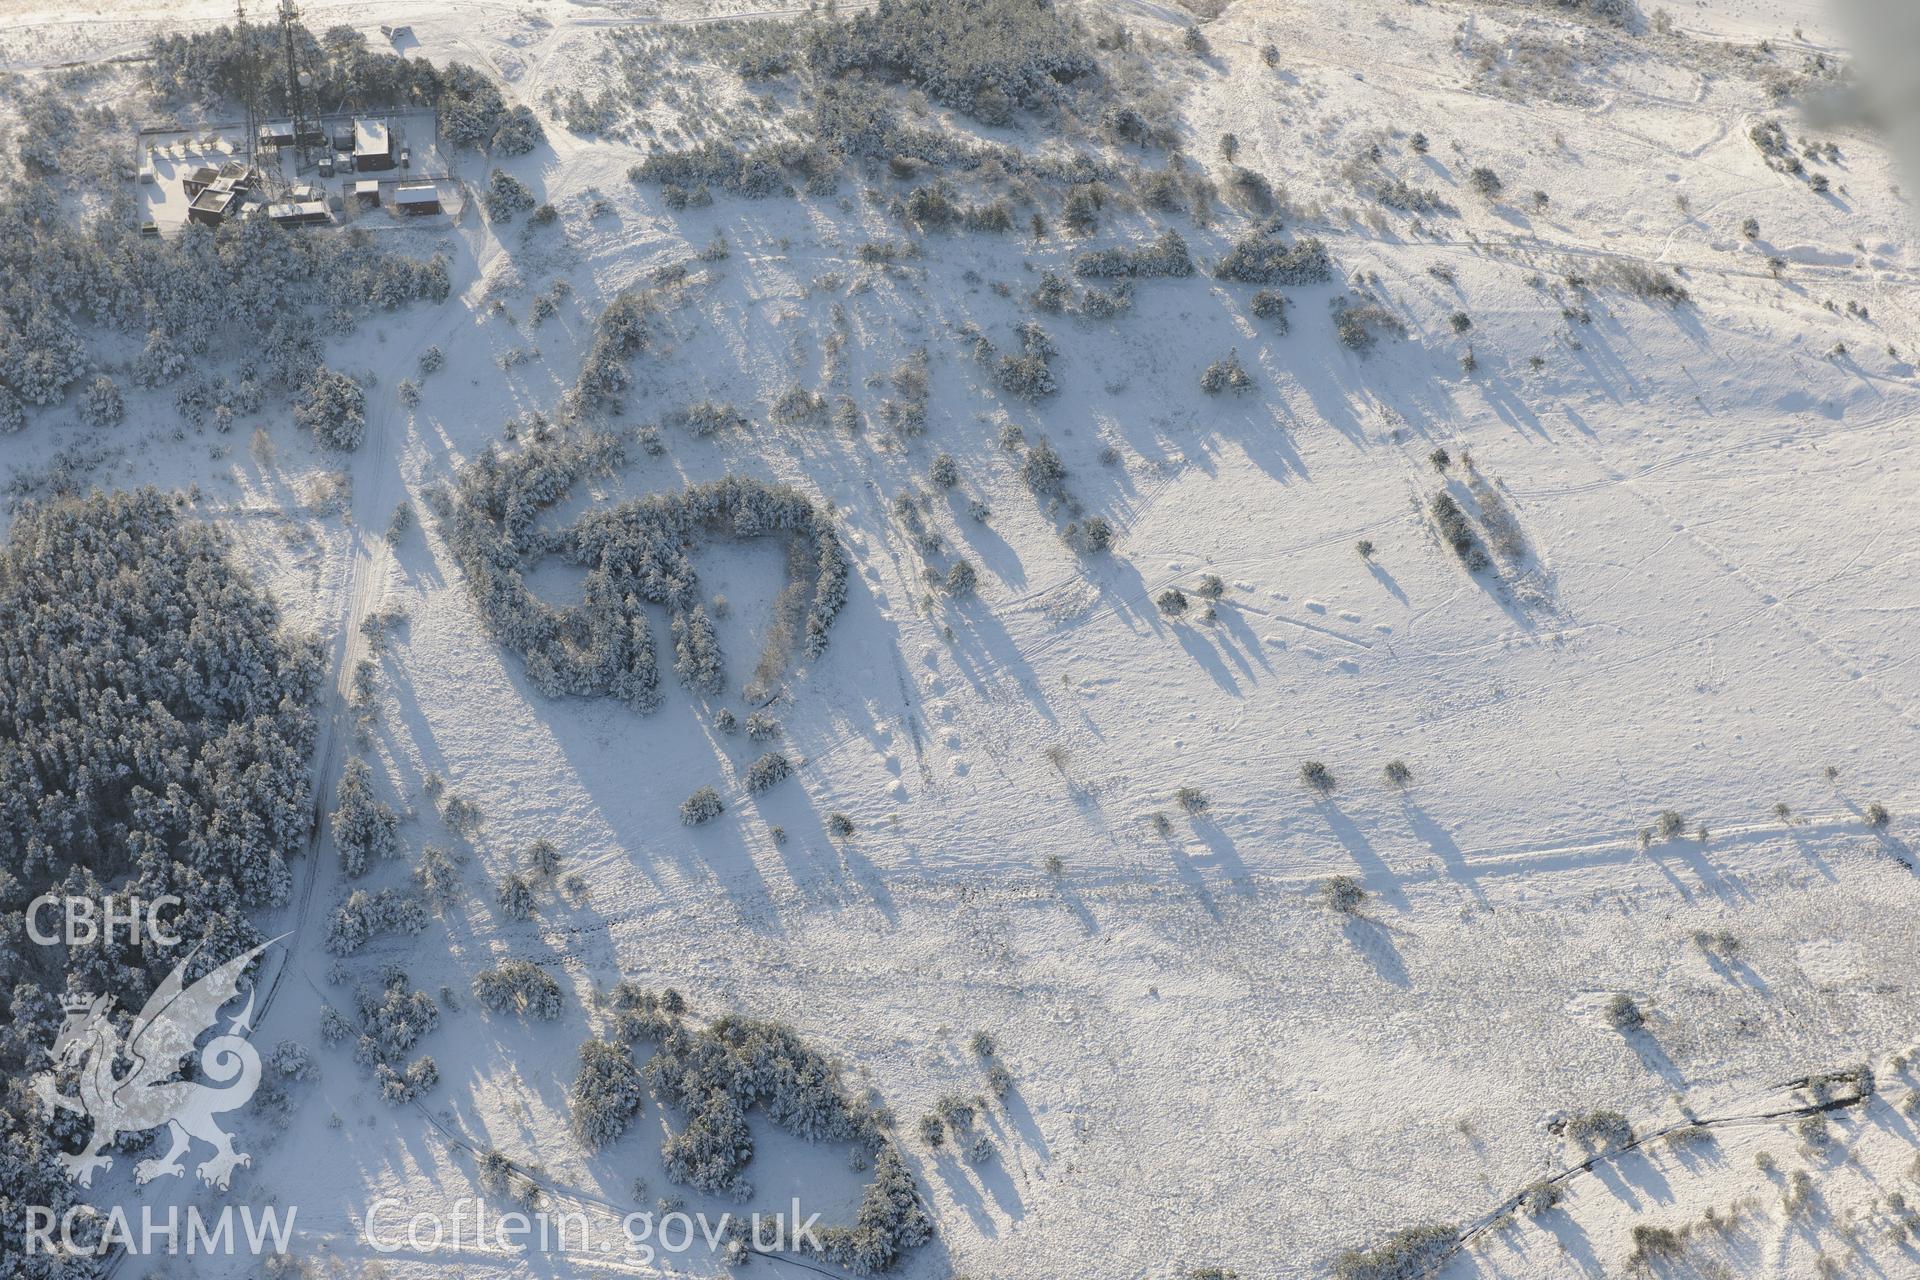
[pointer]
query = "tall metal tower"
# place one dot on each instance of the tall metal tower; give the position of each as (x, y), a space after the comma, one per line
(249, 80)
(290, 19)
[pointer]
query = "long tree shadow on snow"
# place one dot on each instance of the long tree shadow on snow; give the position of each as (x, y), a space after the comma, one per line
(1380, 877)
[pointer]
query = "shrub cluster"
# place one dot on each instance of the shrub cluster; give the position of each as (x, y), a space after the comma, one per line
(1029, 375)
(692, 175)
(364, 826)
(1261, 257)
(520, 986)
(606, 1095)
(1458, 532)
(1359, 324)
(984, 57)
(1226, 374)
(1166, 256)
(1407, 1254)
(364, 914)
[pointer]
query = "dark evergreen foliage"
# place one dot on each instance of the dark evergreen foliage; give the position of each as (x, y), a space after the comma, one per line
(980, 56)
(155, 730)
(636, 553)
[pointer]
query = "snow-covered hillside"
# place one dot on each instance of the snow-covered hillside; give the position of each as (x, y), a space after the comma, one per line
(1550, 579)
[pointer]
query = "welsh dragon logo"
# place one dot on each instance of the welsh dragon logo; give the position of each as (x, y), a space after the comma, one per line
(147, 1095)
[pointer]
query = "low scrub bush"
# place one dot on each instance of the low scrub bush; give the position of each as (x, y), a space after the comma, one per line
(1261, 257)
(701, 807)
(519, 986)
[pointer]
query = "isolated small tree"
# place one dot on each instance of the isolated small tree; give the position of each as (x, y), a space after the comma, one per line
(1623, 1015)
(1343, 894)
(1317, 776)
(514, 897)
(1397, 774)
(1750, 227)
(763, 727)
(543, 859)
(1876, 816)
(943, 471)
(505, 196)
(1172, 602)
(962, 579)
(399, 522)
(768, 770)
(839, 825)
(1484, 181)
(334, 408)
(439, 876)
(1270, 304)
(101, 404)
(1042, 468)
(1226, 374)
(702, 806)
(1192, 799)
(1094, 534)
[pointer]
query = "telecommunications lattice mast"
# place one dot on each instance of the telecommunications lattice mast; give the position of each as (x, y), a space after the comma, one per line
(290, 19)
(249, 81)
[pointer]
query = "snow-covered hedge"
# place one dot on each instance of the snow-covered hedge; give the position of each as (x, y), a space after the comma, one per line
(1166, 256)
(636, 553)
(718, 1073)
(1261, 257)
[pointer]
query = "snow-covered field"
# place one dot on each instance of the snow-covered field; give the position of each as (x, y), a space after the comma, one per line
(1701, 601)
